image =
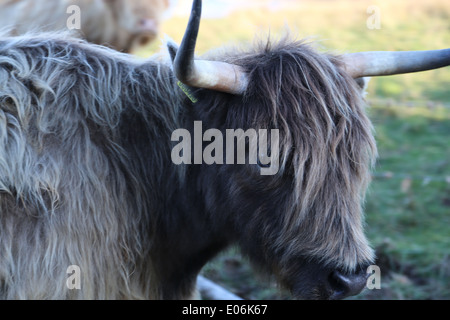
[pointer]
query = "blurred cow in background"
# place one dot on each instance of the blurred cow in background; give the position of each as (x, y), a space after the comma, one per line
(123, 25)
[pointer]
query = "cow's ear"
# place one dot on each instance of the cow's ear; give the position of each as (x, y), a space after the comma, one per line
(363, 84)
(172, 47)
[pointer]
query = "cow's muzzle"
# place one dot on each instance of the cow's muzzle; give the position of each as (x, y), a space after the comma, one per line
(342, 285)
(314, 281)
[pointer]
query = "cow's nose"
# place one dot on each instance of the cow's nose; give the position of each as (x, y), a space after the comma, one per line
(343, 285)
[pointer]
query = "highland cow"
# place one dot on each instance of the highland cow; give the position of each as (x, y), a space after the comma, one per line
(86, 177)
(124, 25)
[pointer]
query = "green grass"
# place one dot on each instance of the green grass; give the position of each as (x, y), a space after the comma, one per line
(407, 215)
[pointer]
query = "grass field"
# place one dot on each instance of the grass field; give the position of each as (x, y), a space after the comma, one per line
(408, 204)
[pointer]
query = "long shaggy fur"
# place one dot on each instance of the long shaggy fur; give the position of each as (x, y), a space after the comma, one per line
(327, 146)
(70, 193)
(86, 177)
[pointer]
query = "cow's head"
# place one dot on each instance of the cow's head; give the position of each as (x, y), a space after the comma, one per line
(304, 223)
(139, 18)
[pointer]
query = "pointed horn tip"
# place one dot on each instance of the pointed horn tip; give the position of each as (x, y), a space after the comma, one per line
(384, 63)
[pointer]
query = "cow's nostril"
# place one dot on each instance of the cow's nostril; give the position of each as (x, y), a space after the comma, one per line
(344, 285)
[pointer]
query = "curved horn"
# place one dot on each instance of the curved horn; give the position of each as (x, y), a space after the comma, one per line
(385, 63)
(215, 75)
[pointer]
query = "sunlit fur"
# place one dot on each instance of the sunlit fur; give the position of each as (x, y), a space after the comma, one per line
(86, 177)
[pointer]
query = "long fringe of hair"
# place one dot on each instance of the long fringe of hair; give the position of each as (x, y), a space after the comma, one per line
(326, 145)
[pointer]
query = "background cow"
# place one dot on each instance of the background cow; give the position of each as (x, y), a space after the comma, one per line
(120, 24)
(86, 176)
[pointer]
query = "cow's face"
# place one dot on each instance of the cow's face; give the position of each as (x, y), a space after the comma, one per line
(304, 221)
(140, 18)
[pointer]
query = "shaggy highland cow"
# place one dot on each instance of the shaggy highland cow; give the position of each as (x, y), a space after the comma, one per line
(87, 179)
(123, 25)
